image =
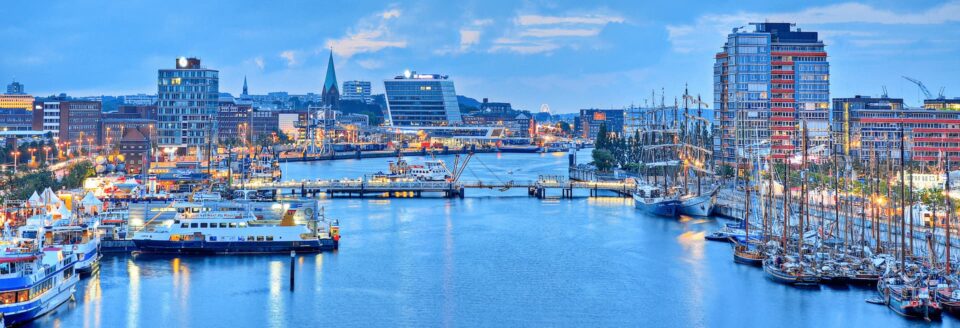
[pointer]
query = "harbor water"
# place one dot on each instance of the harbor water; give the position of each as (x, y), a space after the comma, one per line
(491, 259)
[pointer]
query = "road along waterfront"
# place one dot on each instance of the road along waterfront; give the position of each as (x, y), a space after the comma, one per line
(491, 259)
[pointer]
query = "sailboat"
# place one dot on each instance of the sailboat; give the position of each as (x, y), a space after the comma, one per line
(696, 202)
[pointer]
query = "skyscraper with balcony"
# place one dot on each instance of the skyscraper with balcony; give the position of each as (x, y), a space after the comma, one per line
(766, 82)
(422, 100)
(187, 103)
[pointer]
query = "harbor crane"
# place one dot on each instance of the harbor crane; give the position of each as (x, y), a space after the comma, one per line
(923, 88)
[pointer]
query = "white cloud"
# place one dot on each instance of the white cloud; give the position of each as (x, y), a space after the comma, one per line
(468, 38)
(534, 33)
(560, 32)
(528, 20)
(370, 63)
(259, 62)
(290, 56)
(368, 36)
(712, 28)
(392, 13)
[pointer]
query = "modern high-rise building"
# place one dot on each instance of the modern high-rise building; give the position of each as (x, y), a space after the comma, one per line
(15, 88)
(187, 106)
(357, 91)
(766, 82)
(421, 100)
(330, 95)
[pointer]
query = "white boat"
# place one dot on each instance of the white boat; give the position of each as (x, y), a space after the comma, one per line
(431, 170)
(34, 279)
(699, 205)
(235, 232)
(81, 241)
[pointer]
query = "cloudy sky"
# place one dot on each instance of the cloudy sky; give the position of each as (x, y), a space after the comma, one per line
(567, 54)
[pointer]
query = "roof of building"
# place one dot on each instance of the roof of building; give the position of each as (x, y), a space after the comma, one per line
(330, 81)
(133, 135)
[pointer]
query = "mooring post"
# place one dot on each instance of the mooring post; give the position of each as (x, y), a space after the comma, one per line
(293, 257)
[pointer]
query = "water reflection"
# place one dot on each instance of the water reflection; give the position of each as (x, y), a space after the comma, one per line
(92, 299)
(275, 306)
(133, 292)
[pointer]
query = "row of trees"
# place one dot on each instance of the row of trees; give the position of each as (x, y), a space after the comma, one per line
(21, 186)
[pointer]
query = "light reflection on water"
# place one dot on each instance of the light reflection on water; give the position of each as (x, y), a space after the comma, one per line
(480, 261)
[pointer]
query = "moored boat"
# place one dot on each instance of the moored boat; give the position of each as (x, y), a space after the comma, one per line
(33, 279)
(909, 300)
(240, 233)
(788, 273)
(699, 205)
(653, 200)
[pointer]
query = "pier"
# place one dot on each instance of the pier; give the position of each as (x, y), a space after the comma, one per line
(541, 188)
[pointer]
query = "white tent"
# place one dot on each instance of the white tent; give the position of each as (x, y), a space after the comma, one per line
(49, 197)
(34, 200)
(91, 204)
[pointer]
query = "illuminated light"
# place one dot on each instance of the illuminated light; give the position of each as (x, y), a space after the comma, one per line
(406, 74)
(182, 62)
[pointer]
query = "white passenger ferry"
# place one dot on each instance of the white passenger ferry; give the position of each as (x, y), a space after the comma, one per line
(33, 279)
(233, 232)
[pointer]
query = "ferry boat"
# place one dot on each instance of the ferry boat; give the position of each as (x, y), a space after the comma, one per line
(431, 170)
(236, 232)
(33, 279)
(699, 205)
(651, 199)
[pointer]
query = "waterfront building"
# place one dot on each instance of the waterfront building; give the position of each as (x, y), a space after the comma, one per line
(133, 111)
(15, 88)
(112, 129)
(134, 147)
(589, 121)
(67, 118)
(870, 128)
(495, 107)
(263, 123)
(951, 104)
(357, 91)
(516, 124)
(187, 105)
(293, 123)
(421, 100)
(330, 95)
(766, 82)
(233, 120)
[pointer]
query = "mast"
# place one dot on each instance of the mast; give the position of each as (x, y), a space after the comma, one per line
(803, 193)
(911, 212)
(903, 203)
(949, 211)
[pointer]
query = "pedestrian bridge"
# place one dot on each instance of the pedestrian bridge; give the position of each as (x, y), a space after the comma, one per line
(416, 188)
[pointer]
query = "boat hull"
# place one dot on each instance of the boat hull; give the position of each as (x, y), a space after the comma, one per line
(781, 277)
(666, 208)
(921, 310)
(20, 313)
(239, 247)
(747, 260)
(699, 206)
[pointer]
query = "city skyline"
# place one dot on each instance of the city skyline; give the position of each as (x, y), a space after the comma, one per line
(569, 56)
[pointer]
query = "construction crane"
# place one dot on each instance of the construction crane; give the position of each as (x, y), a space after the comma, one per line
(923, 88)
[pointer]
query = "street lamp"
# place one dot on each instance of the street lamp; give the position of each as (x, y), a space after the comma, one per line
(46, 154)
(16, 155)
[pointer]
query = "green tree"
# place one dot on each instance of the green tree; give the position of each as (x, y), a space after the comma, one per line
(78, 172)
(603, 159)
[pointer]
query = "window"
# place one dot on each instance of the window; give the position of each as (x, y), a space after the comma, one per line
(184, 225)
(194, 225)
(269, 238)
(223, 224)
(259, 238)
(249, 238)
(233, 225)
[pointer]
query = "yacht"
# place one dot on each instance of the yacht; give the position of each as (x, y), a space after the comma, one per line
(236, 232)
(34, 279)
(81, 241)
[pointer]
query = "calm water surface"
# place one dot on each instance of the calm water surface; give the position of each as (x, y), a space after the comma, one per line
(492, 259)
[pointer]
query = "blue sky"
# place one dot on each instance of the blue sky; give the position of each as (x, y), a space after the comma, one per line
(568, 54)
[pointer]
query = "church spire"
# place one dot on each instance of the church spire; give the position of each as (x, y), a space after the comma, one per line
(244, 85)
(330, 94)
